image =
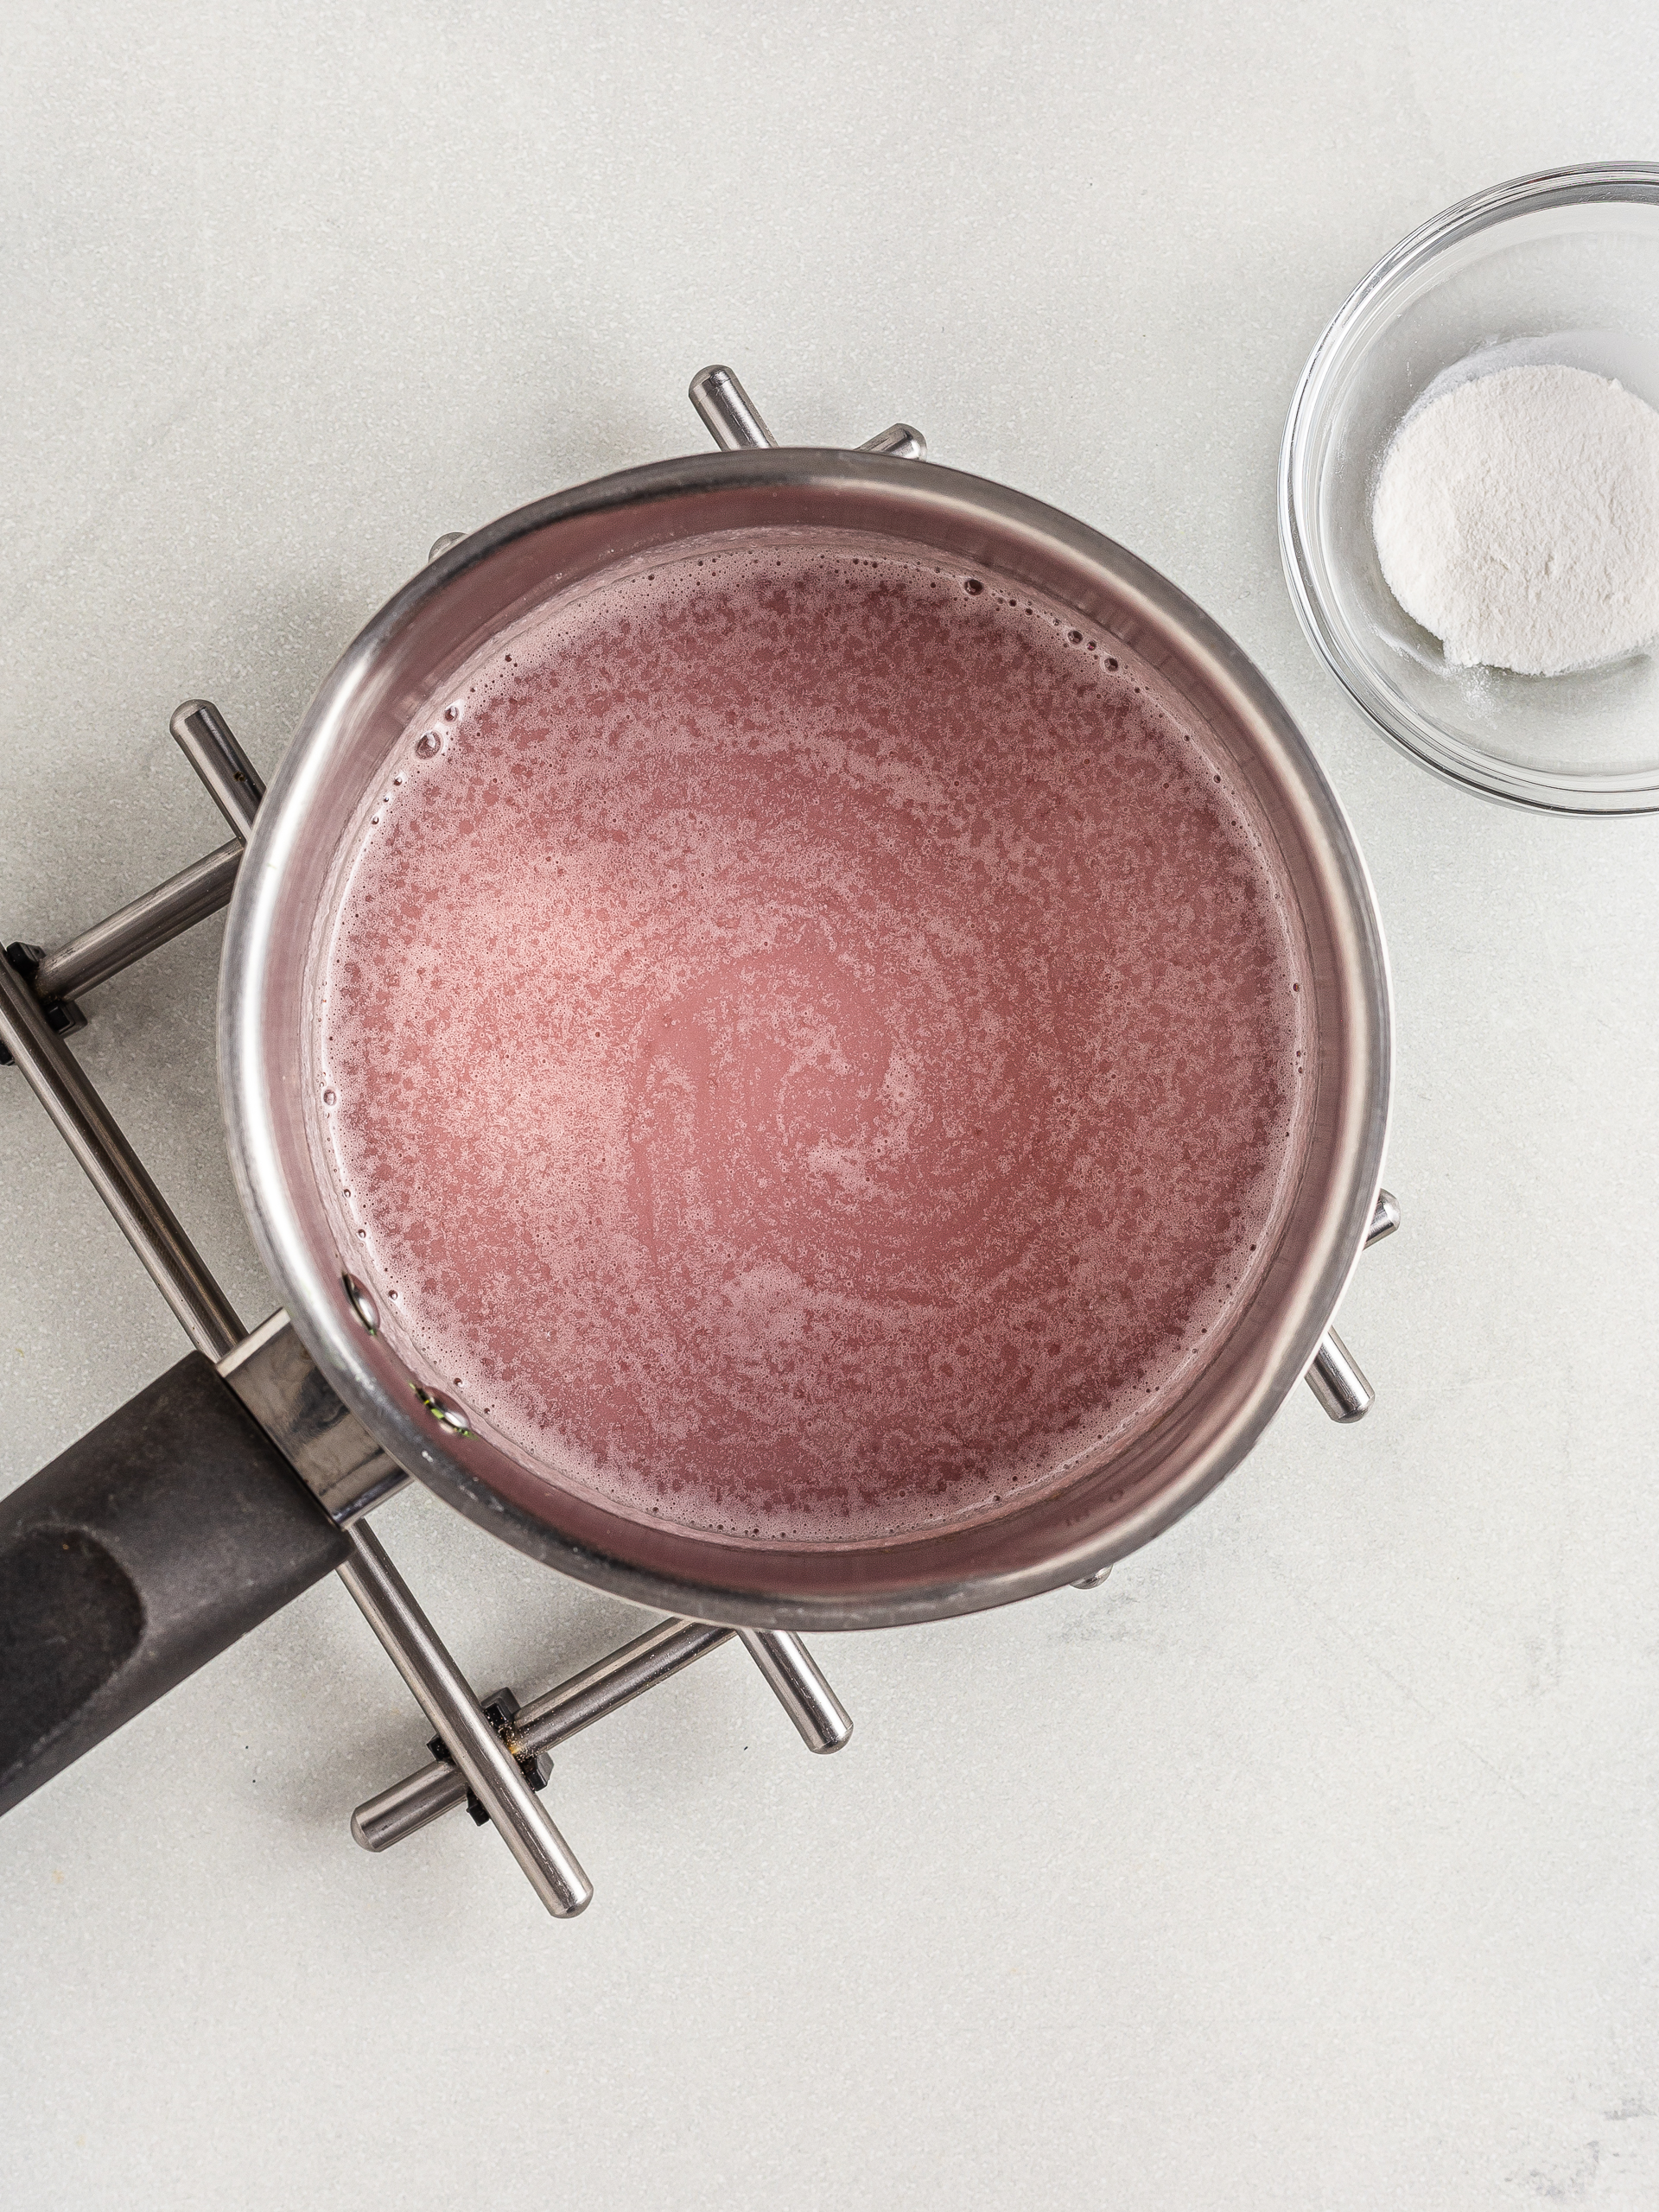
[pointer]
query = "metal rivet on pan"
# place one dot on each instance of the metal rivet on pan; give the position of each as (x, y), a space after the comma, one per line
(443, 1410)
(362, 1305)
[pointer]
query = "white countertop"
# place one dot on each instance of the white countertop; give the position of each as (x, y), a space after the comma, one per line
(1312, 1862)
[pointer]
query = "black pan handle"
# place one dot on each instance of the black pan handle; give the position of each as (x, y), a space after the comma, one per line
(168, 1532)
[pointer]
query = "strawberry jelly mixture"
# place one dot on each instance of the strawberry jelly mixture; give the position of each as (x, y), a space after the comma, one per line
(809, 1047)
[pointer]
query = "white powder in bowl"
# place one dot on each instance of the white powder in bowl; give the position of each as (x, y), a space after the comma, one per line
(1518, 518)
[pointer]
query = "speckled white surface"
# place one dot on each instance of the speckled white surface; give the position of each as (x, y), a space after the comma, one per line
(1312, 1863)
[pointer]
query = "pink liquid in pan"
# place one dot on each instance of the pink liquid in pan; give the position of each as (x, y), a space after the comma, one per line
(809, 1046)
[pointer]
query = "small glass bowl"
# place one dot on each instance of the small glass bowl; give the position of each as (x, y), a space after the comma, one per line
(1562, 267)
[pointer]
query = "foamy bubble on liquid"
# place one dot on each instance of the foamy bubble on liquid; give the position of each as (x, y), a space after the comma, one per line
(817, 1045)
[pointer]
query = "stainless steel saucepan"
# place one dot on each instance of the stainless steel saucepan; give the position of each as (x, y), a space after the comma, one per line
(330, 1347)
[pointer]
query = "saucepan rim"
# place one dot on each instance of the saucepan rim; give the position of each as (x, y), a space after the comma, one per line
(250, 1080)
